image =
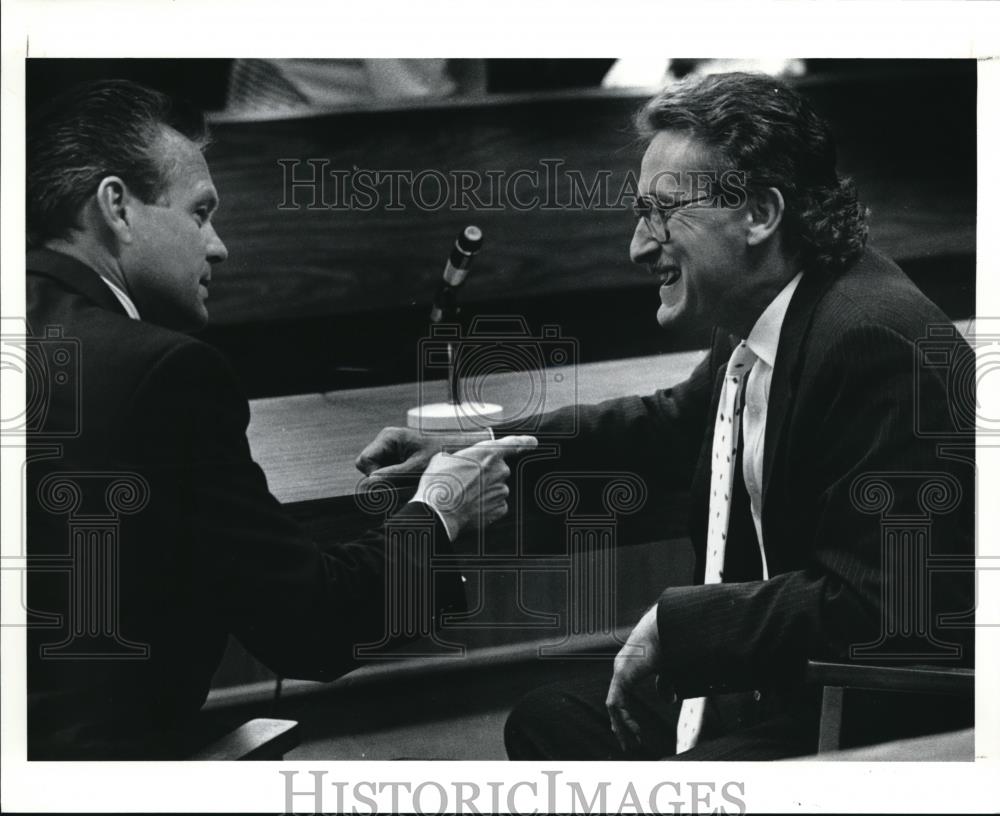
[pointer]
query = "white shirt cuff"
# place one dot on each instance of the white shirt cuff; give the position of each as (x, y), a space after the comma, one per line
(444, 521)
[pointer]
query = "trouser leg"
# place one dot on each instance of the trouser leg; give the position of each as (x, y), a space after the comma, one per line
(568, 721)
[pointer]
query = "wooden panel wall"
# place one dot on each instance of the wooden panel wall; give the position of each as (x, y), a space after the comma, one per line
(908, 139)
(317, 298)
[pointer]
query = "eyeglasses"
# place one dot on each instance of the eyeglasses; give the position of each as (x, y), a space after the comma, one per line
(655, 215)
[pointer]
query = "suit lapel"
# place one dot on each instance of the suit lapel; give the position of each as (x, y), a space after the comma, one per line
(787, 365)
(73, 274)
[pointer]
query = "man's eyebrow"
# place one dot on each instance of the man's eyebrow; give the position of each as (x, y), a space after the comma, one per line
(656, 201)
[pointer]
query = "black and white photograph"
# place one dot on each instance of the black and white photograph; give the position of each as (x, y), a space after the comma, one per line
(492, 433)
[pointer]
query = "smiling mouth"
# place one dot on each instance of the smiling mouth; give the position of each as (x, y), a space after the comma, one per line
(670, 276)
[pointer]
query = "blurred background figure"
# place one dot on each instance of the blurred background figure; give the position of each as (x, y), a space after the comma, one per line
(283, 85)
(656, 72)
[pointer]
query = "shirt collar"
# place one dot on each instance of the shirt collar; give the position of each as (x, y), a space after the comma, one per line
(764, 336)
(124, 299)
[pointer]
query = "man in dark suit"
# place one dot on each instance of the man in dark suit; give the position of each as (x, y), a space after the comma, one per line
(797, 435)
(151, 531)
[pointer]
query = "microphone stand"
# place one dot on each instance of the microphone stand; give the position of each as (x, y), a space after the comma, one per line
(453, 415)
(452, 376)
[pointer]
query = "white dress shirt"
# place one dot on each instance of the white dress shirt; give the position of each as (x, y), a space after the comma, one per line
(762, 341)
(124, 299)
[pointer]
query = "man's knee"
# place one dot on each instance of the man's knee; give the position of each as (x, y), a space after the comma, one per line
(562, 721)
(528, 730)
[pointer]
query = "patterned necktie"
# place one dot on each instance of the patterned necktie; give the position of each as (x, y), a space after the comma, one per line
(724, 449)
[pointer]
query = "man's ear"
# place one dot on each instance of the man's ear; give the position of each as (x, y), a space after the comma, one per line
(113, 200)
(765, 211)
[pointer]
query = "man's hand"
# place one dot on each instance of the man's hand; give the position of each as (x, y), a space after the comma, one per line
(402, 452)
(637, 660)
(468, 488)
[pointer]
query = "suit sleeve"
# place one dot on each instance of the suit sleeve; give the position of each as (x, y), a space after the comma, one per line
(660, 434)
(856, 418)
(301, 608)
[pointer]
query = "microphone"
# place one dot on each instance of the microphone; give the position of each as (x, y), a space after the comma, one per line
(468, 243)
(455, 414)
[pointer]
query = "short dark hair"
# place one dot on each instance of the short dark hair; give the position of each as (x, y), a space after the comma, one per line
(757, 125)
(91, 131)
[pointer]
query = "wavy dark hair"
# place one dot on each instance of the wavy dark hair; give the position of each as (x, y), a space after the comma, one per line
(92, 131)
(757, 125)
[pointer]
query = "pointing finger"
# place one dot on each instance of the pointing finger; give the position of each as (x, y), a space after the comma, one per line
(509, 444)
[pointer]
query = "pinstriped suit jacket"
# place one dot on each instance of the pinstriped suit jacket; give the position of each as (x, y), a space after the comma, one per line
(847, 397)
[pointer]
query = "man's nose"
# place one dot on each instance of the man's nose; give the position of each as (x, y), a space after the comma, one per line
(644, 247)
(216, 250)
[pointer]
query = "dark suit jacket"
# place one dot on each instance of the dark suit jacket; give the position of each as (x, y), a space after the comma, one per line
(209, 553)
(848, 394)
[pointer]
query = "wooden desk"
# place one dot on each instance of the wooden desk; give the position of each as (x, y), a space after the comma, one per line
(307, 444)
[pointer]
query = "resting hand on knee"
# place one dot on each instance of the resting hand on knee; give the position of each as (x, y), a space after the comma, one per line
(637, 660)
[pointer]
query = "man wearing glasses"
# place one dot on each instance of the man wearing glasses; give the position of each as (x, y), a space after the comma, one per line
(810, 386)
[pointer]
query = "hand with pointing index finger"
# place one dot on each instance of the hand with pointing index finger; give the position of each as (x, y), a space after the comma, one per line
(397, 455)
(468, 488)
